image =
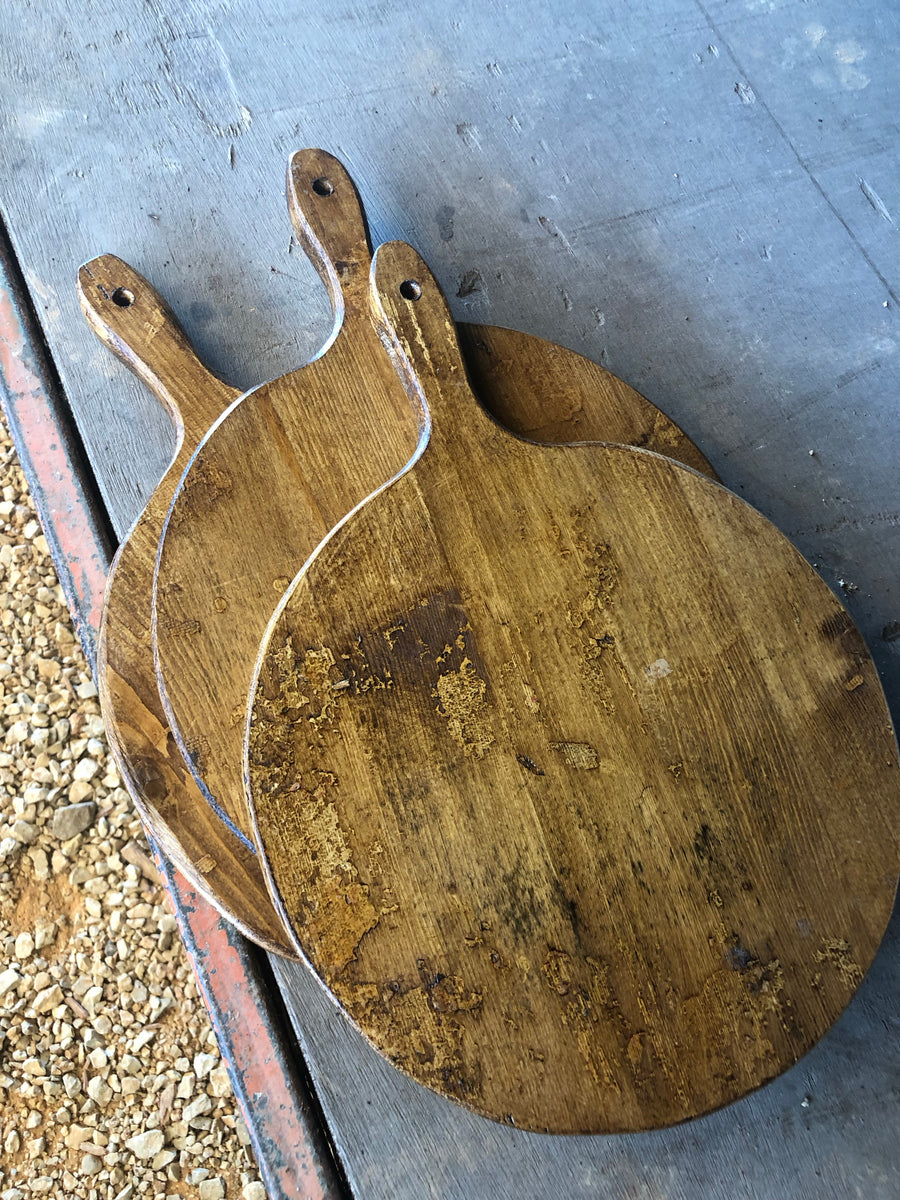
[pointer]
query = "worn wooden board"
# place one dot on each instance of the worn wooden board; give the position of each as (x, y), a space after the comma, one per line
(574, 782)
(265, 485)
(135, 323)
(676, 197)
(283, 465)
(512, 370)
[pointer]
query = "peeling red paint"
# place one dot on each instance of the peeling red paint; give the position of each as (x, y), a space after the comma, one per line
(279, 1129)
(78, 552)
(291, 1149)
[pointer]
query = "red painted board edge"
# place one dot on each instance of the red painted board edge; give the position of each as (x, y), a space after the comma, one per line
(287, 1133)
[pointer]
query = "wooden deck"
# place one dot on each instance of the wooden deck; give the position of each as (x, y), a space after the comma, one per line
(704, 197)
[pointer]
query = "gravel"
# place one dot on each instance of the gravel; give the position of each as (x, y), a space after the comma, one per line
(111, 1084)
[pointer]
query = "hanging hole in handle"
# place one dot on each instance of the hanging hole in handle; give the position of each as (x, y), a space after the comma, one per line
(122, 297)
(323, 186)
(410, 289)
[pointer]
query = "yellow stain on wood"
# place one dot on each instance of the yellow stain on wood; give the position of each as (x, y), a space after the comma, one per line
(418, 1029)
(342, 913)
(462, 701)
(183, 628)
(594, 674)
(316, 671)
(206, 485)
(584, 1004)
(836, 952)
(580, 755)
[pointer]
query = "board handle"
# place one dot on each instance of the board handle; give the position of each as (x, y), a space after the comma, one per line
(415, 324)
(130, 317)
(330, 224)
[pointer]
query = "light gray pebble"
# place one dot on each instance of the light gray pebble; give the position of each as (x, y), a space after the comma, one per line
(45, 931)
(90, 1164)
(147, 1144)
(99, 1090)
(73, 819)
(17, 733)
(24, 947)
(219, 1082)
(197, 1108)
(86, 769)
(204, 1063)
(93, 1038)
(80, 790)
(9, 979)
(24, 832)
(47, 998)
(212, 1189)
(9, 847)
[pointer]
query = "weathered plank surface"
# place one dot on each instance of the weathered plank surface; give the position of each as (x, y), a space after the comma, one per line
(676, 191)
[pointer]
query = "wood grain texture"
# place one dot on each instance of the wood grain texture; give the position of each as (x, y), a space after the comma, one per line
(306, 444)
(296, 455)
(575, 783)
(132, 319)
(679, 199)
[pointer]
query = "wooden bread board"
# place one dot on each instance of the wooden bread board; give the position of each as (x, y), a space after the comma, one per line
(137, 325)
(128, 315)
(575, 783)
(294, 456)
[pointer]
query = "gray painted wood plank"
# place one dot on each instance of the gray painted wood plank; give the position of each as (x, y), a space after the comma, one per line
(675, 189)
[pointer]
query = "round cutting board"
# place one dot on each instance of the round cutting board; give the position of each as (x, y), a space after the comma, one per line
(288, 461)
(130, 317)
(575, 783)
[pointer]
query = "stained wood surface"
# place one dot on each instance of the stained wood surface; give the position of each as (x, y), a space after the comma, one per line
(597, 181)
(574, 781)
(136, 323)
(270, 480)
(307, 443)
(133, 320)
